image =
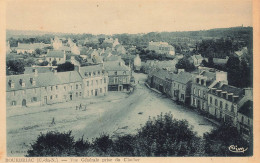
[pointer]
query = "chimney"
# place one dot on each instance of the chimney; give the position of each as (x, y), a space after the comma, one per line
(248, 92)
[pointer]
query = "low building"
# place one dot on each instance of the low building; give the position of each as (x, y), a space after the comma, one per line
(29, 48)
(119, 76)
(56, 55)
(37, 89)
(161, 48)
(197, 59)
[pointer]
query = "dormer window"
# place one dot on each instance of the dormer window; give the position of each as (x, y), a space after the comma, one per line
(22, 83)
(86, 74)
(32, 81)
(11, 82)
(98, 72)
(202, 82)
(197, 80)
(94, 73)
(89, 73)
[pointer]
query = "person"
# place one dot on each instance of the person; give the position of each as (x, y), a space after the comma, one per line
(53, 121)
(80, 106)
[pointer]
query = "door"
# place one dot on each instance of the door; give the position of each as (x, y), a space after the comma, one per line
(70, 96)
(120, 88)
(96, 92)
(198, 104)
(24, 102)
(45, 100)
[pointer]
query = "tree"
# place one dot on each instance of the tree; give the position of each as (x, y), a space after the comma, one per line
(16, 66)
(44, 63)
(233, 70)
(67, 66)
(185, 64)
(218, 141)
(54, 63)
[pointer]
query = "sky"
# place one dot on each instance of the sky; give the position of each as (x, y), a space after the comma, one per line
(126, 16)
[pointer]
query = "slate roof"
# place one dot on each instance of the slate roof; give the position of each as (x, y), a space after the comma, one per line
(183, 77)
(247, 109)
(112, 66)
(87, 69)
(42, 80)
(55, 54)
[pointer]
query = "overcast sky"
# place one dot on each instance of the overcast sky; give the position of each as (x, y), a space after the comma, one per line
(129, 16)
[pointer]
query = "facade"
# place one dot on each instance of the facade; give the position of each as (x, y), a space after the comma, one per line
(37, 89)
(56, 55)
(245, 120)
(224, 102)
(200, 87)
(161, 48)
(95, 80)
(39, 69)
(119, 76)
(56, 43)
(29, 48)
(181, 86)
(197, 59)
(137, 63)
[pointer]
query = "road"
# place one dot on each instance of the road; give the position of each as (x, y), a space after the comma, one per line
(116, 113)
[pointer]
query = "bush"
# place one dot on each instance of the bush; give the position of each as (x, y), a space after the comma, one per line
(102, 144)
(52, 144)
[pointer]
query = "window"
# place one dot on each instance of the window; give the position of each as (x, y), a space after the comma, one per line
(77, 86)
(194, 90)
(94, 73)
(65, 88)
(87, 83)
(221, 104)
(51, 97)
(51, 88)
(199, 92)
(100, 90)
(89, 73)
(204, 94)
(34, 99)
(100, 81)
(226, 107)
(115, 72)
(98, 72)
(97, 82)
(105, 80)
(92, 92)
(242, 119)
(232, 108)
(182, 96)
(91, 82)
(86, 74)
(216, 102)
(79, 93)
(197, 80)
(182, 87)
(202, 82)
(76, 94)
(13, 103)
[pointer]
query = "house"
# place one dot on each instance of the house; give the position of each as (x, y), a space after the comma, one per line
(37, 89)
(200, 87)
(181, 87)
(120, 49)
(29, 48)
(245, 120)
(95, 80)
(137, 63)
(56, 43)
(161, 48)
(119, 76)
(241, 53)
(197, 59)
(56, 55)
(224, 101)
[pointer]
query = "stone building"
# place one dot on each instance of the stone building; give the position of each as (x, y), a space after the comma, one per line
(95, 80)
(37, 89)
(137, 63)
(224, 102)
(56, 55)
(161, 48)
(200, 87)
(119, 76)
